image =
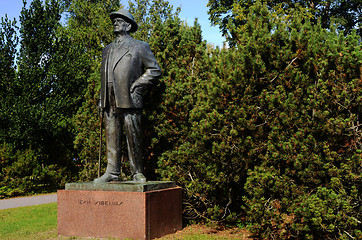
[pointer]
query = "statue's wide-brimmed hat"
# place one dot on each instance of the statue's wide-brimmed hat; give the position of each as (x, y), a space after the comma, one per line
(123, 13)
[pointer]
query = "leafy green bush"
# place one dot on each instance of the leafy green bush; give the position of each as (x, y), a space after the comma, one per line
(26, 172)
(304, 182)
(270, 130)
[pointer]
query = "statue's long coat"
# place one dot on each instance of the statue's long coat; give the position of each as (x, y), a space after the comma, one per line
(125, 64)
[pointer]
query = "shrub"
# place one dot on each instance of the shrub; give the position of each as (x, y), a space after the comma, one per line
(270, 130)
(26, 172)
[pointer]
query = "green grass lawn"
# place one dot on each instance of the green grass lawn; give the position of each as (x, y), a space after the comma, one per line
(40, 222)
(34, 222)
(29, 222)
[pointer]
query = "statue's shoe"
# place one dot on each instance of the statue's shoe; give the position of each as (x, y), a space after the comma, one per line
(139, 177)
(107, 177)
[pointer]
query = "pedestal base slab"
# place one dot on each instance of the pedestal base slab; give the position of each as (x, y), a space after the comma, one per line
(132, 215)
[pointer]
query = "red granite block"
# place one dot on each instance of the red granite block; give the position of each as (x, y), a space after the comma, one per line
(132, 215)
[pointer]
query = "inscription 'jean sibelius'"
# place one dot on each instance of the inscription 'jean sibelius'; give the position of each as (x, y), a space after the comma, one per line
(128, 69)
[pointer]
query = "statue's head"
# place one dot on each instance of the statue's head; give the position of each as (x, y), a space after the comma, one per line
(127, 16)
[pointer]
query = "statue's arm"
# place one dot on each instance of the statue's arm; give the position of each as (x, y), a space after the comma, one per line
(152, 69)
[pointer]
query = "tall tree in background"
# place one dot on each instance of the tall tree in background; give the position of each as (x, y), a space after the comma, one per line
(89, 27)
(46, 96)
(179, 49)
(346, 14)
(36, 86)
(8, 44)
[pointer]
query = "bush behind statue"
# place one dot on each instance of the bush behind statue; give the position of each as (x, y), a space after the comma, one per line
(269, 130)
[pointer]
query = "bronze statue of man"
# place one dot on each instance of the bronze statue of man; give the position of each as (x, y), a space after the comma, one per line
(128, 68)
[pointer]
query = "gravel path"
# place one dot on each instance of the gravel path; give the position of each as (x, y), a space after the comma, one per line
(27, 201)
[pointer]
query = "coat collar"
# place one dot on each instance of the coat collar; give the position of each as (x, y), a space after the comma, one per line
(119, 50)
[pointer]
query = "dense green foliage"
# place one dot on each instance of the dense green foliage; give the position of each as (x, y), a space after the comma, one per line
(346, 14)
(304, 172)
(41, 99)
(8, 43)
(269, 130)
(176, 46)
(83, 18)
(266, 134)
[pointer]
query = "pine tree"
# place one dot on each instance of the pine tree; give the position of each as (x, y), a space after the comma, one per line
(8, 43)
(42, 104)
(269, 130)
(345, 14)
(90, 29)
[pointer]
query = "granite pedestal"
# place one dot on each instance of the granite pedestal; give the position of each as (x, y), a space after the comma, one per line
(120, 210)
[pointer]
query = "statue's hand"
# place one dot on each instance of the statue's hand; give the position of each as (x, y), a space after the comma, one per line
(136, 86)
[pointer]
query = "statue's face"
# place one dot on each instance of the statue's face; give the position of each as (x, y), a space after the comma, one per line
(120, 26)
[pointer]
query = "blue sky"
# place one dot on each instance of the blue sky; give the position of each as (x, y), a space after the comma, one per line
(190, 9)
